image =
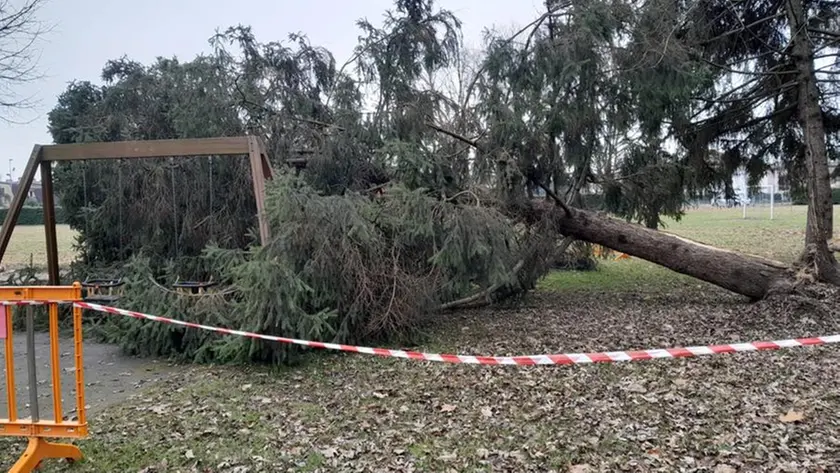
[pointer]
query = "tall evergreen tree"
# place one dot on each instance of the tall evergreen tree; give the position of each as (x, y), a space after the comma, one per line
(766, 102)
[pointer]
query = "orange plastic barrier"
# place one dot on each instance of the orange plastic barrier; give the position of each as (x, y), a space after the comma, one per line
(34, 427)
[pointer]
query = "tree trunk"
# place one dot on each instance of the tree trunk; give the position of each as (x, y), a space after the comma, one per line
(750, 276)
(820, 210)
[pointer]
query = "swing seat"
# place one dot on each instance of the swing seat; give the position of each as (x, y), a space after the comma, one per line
(104, 299)
(193, 287)
(102, 291)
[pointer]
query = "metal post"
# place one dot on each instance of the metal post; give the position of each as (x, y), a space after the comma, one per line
(55, 363)
(11, 400)
(81, 410)
(30, 363)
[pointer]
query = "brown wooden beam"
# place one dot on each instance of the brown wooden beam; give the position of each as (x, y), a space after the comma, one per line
(146, 149)
(19, 199)
(268, 172)
(258, 176)
(48, 200)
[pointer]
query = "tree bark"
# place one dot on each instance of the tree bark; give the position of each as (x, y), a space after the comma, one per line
(820, 209)
(748, 275)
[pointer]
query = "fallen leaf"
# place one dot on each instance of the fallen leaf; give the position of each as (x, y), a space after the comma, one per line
(448, 457)
(447, 408)
(262, 399)
(189, 454)
(791, 416)
(582, 468)
(636, 388)
(724, 468)
(160, 409)
(487, 412)
(246, 387)
(379, 395)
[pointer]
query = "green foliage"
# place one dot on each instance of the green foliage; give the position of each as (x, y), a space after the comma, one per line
(35, 216)
(342, 269)
(156, 339)
(655, 186)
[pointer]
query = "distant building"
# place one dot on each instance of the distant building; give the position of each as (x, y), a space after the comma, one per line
(9, 188)
(6, 194)
(770, 180)
(776, 179)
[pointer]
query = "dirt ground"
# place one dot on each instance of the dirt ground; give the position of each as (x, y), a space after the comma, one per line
(109, 376)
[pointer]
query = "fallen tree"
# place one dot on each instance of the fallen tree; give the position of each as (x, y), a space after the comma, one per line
(752, 276)
(748, 275)
(597, 113)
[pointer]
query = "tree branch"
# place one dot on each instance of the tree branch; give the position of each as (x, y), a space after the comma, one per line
(557, 200)
(534, 24)
(475, 144)
(481, 294)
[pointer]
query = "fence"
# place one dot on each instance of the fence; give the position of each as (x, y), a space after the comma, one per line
(758, 202)
(36, 428)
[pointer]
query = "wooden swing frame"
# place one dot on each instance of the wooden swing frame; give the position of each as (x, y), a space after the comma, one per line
(44, 155)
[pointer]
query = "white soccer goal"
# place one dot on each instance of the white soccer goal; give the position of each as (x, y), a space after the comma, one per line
(762, 201)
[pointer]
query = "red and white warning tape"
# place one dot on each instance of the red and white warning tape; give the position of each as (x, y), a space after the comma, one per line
(557, 359)
(33, 302)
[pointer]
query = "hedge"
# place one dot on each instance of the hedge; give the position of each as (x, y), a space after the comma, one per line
(802, 199)
(34, 216)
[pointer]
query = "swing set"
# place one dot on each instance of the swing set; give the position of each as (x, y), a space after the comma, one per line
(106, 289)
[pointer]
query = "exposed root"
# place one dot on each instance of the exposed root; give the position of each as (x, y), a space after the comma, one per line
(818, 264)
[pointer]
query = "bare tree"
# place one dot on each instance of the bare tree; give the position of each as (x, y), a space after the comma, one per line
(20, 30)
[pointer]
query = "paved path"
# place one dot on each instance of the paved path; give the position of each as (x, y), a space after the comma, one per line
(109, 376)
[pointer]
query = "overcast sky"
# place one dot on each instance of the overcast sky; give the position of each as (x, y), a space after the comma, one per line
(86, 33)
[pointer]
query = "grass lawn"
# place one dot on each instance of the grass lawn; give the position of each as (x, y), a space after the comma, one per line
(769, 411)
(28, 243)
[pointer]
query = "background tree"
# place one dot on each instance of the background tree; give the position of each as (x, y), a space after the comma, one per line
(20, 30)
(169, 210)
(764, 104)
